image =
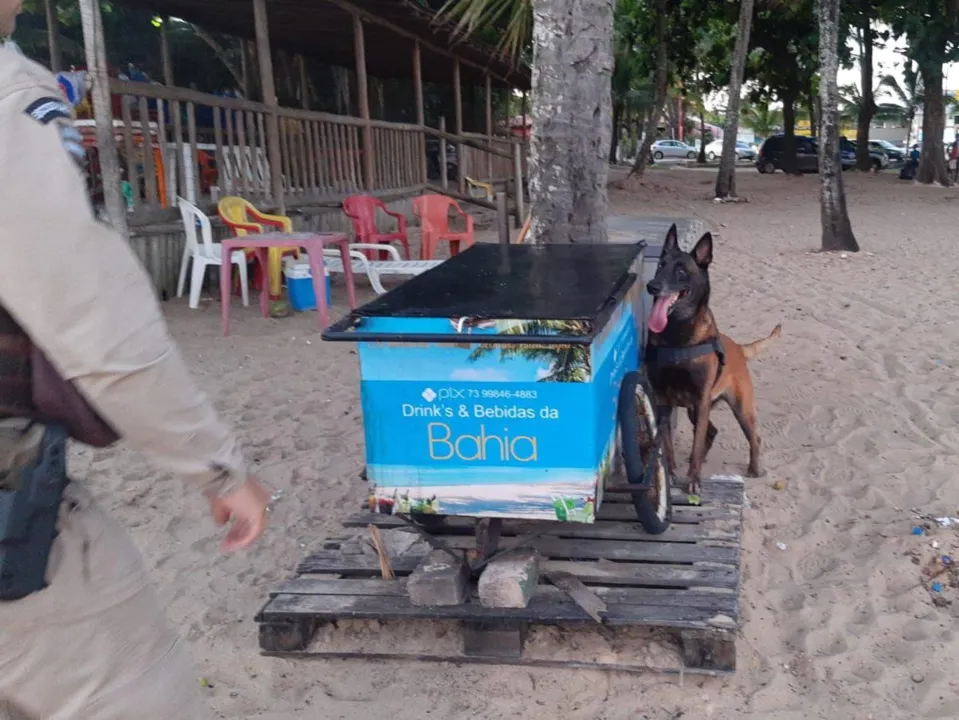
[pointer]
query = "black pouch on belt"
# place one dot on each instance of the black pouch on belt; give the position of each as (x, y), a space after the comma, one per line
(29, 511)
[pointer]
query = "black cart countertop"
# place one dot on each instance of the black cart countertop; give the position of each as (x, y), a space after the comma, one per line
(535, 282)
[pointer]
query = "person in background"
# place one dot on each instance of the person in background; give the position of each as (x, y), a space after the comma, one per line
(954, 159)
(908, 170)
(85, 353)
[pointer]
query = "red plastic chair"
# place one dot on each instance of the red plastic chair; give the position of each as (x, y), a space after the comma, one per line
(434, 214)
(361, 210)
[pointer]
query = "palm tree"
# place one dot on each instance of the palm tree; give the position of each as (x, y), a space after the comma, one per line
(837, 231)
(907, 96)
(851, 101)
(726, 177)
(660, 88)
(567, 363)
(762, 119)
(571, 100)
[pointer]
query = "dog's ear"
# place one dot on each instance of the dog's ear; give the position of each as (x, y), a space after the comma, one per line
(671, 244)
(703, 252)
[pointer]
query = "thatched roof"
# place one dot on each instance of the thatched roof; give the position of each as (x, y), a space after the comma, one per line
(323, 29)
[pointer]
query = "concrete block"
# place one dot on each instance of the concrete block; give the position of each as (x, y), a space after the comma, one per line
(438, 580)
(509, 581)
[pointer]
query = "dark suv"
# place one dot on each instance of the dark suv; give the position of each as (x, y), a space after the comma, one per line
(773, 151)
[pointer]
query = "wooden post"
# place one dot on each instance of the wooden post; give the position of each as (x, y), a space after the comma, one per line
(53, 35)
(444, 176)
(461, 168)
(518, 181)
(166, 56)
(363, 90)
(245, 69)
(95, 49)
(420, 111)
(489, 125)
(304, 83)
(269, 99)
(502, 218)
(525, 107)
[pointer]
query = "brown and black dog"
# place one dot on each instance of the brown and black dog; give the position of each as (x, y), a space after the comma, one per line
(689, 362)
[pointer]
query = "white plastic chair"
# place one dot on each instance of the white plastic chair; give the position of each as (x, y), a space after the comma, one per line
(374, 268)
(209, 253)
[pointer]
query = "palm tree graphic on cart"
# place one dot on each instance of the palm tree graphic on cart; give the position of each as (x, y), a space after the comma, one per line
(565, 363)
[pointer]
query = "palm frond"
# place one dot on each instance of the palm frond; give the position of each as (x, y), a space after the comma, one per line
(515, 17)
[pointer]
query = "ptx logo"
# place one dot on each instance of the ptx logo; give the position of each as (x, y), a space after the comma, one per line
(428, 395)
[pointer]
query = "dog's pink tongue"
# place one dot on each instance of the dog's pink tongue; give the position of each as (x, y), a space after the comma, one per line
(660, 313)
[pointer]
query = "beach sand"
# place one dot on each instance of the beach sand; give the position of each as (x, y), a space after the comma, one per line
(858, 412)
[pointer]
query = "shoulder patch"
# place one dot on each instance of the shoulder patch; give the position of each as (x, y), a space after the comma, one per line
(47, 109)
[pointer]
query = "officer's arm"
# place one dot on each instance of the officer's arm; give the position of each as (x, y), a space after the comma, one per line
(77, 288)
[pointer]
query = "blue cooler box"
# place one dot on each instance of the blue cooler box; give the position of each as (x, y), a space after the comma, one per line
(299, 284)
(490, 383)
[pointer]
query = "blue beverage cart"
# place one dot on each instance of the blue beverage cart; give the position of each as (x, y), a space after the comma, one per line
(506, 383)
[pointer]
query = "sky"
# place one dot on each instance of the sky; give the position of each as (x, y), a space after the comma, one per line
(887, 60)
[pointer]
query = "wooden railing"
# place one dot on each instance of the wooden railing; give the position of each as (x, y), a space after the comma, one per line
(488, 167)
(176, 141)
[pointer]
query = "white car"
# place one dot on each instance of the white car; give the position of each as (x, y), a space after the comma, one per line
(672, 149)
(744, 151)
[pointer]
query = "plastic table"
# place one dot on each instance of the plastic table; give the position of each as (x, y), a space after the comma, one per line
(313, 243)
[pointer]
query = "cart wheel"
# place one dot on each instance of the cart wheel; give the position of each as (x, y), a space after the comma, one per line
(637, 421)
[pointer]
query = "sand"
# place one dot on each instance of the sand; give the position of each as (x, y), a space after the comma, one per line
(858, 412)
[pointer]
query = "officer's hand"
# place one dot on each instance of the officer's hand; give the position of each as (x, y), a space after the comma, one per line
(246, 507)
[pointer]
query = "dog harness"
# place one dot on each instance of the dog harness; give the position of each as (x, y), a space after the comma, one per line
(662, 356)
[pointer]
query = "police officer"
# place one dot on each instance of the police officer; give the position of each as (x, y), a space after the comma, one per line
(93, 644)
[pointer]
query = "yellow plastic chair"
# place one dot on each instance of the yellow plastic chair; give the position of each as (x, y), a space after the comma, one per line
(486, 190)
(244, 219)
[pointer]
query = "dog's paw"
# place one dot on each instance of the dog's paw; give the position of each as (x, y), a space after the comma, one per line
(755, 472)
(694, 485)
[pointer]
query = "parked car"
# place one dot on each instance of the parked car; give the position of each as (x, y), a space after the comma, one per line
(847, 153)
(879, 160)
(895, 154)
(672, 149)
(772, 151)
(744, 151)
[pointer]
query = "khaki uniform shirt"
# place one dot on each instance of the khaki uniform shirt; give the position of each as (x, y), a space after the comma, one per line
(76, 287)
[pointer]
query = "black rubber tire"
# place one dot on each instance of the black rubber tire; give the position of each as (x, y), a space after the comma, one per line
(637, 425)
(657, 155)
(690, 156)
(877, 165)
(710, 156)
(767, 168)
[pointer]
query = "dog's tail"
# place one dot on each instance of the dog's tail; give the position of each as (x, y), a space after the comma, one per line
(754, 348)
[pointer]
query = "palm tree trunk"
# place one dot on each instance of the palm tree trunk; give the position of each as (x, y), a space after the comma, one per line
(702, 134)
(53, 35)
(932, 163)
(571, 113)
(836, 229)
(789, 131)
(617, 122)
(660, 90)
(867, 108)
(726, 178)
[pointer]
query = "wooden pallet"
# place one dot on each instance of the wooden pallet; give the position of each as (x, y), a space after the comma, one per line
(682, 587)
